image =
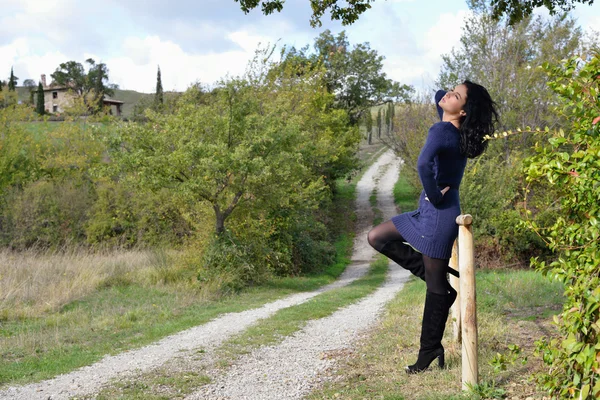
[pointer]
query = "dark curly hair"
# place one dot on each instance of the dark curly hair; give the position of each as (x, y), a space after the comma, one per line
(480, 120)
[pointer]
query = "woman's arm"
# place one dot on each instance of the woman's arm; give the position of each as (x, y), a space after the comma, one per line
(434, 144)
(438, 97)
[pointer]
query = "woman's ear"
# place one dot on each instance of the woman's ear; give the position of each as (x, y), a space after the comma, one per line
(463, 113)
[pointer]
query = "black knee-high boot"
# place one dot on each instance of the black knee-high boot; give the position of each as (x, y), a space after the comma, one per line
(405, 256)
(435, 315)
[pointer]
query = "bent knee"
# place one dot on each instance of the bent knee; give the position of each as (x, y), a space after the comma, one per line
(373, 239)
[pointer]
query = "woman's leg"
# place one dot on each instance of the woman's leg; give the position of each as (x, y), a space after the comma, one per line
(386, 239)
(438, 300)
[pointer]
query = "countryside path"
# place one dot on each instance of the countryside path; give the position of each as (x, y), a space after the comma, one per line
(291, 369)
(285, 371)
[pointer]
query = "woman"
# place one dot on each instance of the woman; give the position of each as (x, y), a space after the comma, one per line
(421, 241)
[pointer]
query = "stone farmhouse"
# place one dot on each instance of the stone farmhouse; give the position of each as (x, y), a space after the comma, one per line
(57, 98)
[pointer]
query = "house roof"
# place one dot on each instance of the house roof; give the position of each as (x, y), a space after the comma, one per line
(55, 88)
(108, 100)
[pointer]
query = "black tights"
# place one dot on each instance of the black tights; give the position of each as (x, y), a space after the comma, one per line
(386, 239)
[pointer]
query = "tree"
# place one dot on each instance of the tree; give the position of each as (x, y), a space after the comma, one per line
(379, 122)
(158, 97)
(264, 141)
(40, 107)
(92, 86)
(505, 58)
(12, 82)
(347, 14)
(518, 10)
(31, 86)
(392, 113)
(353, 75)
(369, 125)
(388, 118)
(515, 10)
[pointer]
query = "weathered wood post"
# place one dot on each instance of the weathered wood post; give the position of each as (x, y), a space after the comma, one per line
(455, 282)
(468, 310)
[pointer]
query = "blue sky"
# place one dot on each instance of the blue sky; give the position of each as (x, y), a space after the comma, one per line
(204, 40)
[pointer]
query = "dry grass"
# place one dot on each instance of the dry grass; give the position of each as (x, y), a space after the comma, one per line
(36, 282)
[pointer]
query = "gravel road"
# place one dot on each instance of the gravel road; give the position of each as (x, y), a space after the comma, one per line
(285, 371)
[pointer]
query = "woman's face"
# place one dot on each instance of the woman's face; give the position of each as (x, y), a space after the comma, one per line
(454, 101)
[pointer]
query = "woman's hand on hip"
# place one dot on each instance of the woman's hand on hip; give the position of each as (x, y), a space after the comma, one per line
(444, 190)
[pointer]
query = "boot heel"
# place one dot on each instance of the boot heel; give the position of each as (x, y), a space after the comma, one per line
(441, 361)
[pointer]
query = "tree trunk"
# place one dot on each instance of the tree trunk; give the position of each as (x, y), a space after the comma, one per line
(220, 220)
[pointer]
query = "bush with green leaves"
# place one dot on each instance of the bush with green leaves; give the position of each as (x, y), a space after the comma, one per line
(262, 151)
(569, 162)
(491, 191)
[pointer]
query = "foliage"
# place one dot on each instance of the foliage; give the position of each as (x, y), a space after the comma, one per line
(158, 97)
(354, 75)
(491, 192)
(514, 10)
(262, 151)
(46, 214)
(124, 217)
(379, 122)
(504, 59)
(568, 161)
(92, 85)
(411, 123)
(517, 10)
(347, 14)
(148, 102)
(39, 105)
(18, 164)
(368, 118)
(31, 87)
(12, 81)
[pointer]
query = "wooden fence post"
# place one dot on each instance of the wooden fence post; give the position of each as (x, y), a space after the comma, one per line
(455, 283)
(468, 309)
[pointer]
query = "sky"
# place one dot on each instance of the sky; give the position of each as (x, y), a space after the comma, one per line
(205, 40)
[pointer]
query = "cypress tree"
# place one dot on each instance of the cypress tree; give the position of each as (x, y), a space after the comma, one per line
(39, 108)
(99, 89)
(386, 115)
(392, 114)
(158, 97)
(379, 123)
(12, 83)
(369, 125)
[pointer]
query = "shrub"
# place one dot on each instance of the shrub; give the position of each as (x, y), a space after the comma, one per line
(46, 214)
(567, 161)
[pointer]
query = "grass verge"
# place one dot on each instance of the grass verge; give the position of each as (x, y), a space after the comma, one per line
(406, 196)
(514, 308)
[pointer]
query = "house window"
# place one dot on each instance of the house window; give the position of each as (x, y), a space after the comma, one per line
(54, 108)
(55, 95)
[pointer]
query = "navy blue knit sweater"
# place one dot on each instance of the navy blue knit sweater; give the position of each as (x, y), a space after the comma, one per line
(432, 228)
(440, 163)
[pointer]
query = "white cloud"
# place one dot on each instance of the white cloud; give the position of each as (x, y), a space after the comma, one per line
(27, 63)
(444, 34)
(136, 69)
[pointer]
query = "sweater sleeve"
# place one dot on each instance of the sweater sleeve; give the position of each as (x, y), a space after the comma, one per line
(434, 144)
(438, 97)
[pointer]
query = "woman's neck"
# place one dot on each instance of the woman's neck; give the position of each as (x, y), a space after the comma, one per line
(453, 119)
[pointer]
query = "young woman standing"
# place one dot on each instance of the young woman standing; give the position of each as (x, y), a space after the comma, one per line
(421, 241)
